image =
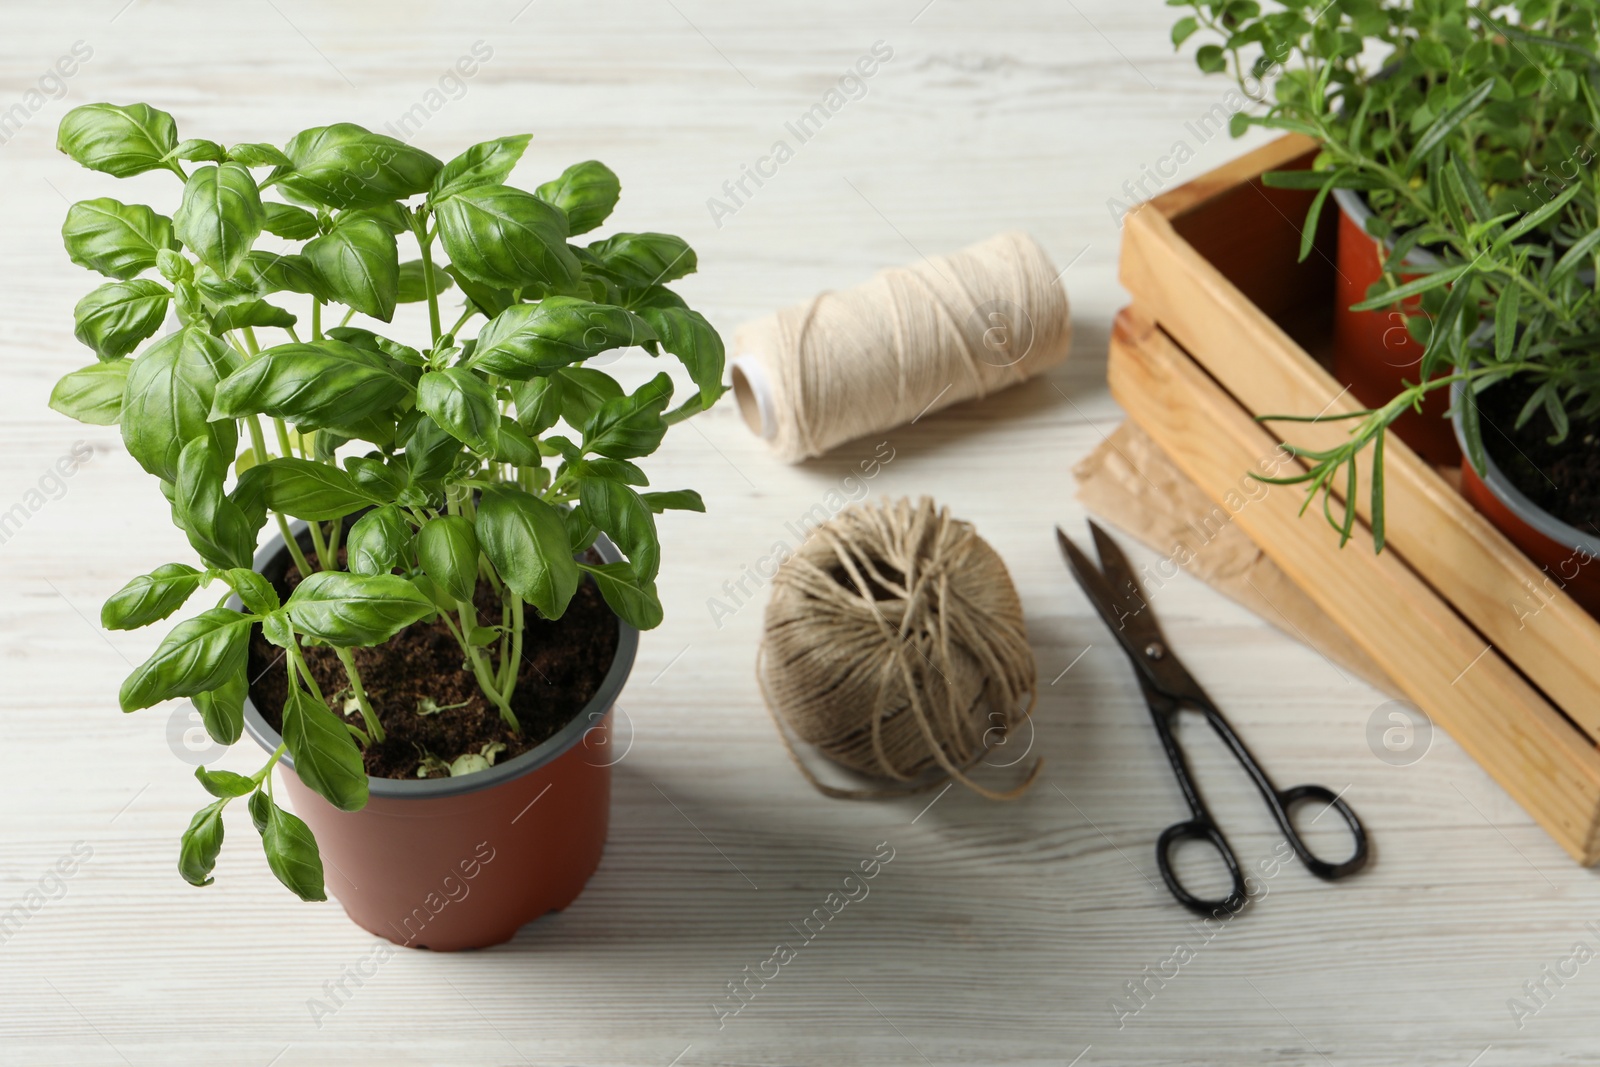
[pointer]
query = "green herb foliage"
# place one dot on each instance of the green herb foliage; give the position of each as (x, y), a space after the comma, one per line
(444, 448)
(1471, 131)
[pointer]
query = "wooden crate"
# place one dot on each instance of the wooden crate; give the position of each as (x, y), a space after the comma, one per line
(1227, 325)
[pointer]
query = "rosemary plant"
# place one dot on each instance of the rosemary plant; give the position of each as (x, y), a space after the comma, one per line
(446, 451)
(1469, 128)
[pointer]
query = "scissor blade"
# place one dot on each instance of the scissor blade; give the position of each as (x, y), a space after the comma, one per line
(1135, 611)
(1128, 631)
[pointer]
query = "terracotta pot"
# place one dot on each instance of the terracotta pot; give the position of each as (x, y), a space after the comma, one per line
(1566, 554)
(1372, 352)
(455, 863)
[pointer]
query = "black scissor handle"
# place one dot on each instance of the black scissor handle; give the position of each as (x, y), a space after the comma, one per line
(1287, 799)
(1199, 830)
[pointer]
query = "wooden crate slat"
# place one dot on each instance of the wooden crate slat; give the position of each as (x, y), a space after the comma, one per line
(1510, 600)
(1434, 656)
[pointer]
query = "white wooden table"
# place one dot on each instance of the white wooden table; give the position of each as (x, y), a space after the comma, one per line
(999, 933)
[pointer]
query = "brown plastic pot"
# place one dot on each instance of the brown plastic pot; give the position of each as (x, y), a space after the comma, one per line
(1372, 352)
(1566, 554)
(457, 863)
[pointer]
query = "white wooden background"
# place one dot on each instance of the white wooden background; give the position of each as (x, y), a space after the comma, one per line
(999, 933)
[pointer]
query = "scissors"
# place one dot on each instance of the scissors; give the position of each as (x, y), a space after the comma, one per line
(1168, 689)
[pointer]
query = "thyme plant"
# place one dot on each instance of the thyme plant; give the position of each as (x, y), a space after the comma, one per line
(1470, 129)
(447, 448)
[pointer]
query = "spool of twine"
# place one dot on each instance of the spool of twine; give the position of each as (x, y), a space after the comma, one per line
(910, 341)
(894, 643)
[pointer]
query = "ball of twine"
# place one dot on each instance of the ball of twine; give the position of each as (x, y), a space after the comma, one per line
(895, 644)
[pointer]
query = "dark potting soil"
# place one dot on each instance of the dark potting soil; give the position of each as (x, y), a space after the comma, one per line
(563, 664)
(1563, 479)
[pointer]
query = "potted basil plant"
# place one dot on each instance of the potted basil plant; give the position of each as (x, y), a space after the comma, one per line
(1468, 142)
(462, 551)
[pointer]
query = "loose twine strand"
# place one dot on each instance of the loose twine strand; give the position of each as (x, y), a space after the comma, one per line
(909, 341)
(895, 644)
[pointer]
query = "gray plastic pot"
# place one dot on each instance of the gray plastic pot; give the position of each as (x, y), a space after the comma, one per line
(1565, 552)
(455, 863)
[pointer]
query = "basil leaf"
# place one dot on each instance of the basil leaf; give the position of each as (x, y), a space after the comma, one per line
(220, 217)
(190, 308)
(224, 783)
(199, 150)
(355, 610)
(581, 533)
(116, 239)
(532, 339)
(119, 141)
(200, 844)
(250, 313)
(306, 489)
(276, 629)
(630, 426)
(645, 259)
(378, 540)
(174, 267)
(324, 753)
(447, 548)
(253, 589)
(625, 518)
(586, 193)
(538, 402)
(378, 477)
(150, 597)
(259, 802)
(168, 399)
(673, 500)
(216, 526)
(114, 318)
(412, 288)
(345, 166)
(391, 216)
(653, 296)
(290, 847)
(489, 300)
(264, 273)
(616, 469)
(687, 335)
(513, 445)
(583, 391)
(359, 264)
(506, 238)
(463, 404)
(635, 602)
(312, 384)
(441, 600)
(371, 342)
(288, 221)
(527, 542)
(200, 654)
(222, 709)
(430, 452)
(257, 154)
(93, 394)
(487, 163)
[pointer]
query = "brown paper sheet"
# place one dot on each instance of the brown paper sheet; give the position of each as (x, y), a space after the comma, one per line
(1132, 484)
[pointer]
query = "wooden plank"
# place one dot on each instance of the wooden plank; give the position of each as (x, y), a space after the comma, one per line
(1510, 600)
(1432, 654)
(1279, 154)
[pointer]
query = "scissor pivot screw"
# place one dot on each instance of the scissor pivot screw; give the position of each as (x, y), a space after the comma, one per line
(1155, 650)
